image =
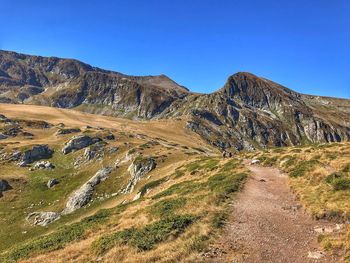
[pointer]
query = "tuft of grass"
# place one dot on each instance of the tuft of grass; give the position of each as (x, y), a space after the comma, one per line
(145, 238)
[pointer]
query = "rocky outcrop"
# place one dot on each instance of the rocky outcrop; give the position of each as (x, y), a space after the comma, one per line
(42, 218)
(67, 131)
(139, 168)
(79, 142)
(83, 195)
(78, 199)
(36, 153)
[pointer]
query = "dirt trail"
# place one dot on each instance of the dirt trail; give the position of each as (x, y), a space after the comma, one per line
(267, 224)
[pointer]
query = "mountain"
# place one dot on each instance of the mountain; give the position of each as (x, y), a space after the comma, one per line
(248, 112)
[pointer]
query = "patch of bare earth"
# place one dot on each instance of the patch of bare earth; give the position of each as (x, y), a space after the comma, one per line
(268, 225)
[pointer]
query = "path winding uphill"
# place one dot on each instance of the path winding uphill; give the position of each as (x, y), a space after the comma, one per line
(268, 225)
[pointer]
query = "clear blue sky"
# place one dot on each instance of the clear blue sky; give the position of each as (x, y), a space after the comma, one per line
(302, 44)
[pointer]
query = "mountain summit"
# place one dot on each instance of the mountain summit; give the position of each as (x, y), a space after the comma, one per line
(247, 112)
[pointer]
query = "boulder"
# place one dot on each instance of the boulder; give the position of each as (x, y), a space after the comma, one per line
(52, 182)
(4, 185)
(110, 137)
(79, 142)
(43, 165)
(139, 167)
(255, 161)
(3, 118)
(37, 152)
(42, 218)
(83, 195)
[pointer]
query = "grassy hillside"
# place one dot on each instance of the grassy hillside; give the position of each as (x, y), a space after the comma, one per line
(181, 207)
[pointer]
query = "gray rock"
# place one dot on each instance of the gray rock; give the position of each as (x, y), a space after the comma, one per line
(42, 218)
(139, 167)
(52, 182)
(67, 131)
(37, 152)
(3, 136)
(4, 185)
(43, 165)
(84, 194)
(22, 164)
(113, 150)
(79, 142)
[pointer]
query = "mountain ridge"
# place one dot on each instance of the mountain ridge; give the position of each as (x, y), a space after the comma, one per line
(248, 112)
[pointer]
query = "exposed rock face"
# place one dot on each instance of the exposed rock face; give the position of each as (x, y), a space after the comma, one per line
(37, 152)
(67, 131)
(248, 112)
(79, 142)
(84, 194)
(139, 167)
(68, 83)
(42, 218)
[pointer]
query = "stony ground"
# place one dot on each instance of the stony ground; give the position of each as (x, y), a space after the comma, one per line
(268, 225)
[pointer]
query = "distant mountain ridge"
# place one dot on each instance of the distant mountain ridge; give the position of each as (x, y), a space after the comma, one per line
(247, 112)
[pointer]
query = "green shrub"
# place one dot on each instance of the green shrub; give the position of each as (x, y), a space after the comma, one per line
(346, 168)
(341, 184)
(225, 183)
(167, 207)
(219, 219)
(182, 188)
(304, 167)
(339, 181)
(151, 185)
(147, 237)
(333, 176)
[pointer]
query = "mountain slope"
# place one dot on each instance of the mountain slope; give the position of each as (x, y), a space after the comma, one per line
(248, 112)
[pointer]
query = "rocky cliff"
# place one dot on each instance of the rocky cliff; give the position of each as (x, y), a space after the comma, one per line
(247, 112)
